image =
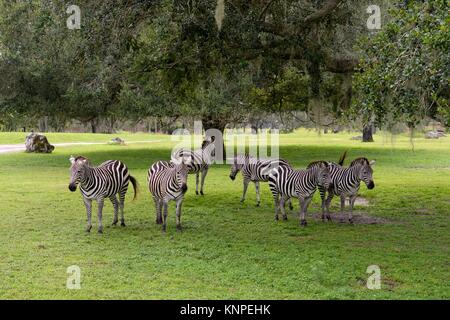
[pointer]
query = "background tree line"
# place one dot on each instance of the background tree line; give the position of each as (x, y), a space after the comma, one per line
(171, 60)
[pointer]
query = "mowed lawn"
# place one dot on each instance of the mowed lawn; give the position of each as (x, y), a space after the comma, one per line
(227, 250)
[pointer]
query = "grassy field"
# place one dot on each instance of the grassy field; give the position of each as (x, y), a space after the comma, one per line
(227, 250)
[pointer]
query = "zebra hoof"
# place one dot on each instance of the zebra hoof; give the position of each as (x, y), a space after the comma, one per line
(350, 221)
(122, 224)
(114, 223)
(201, 192)
(88, 229)
(179, 228)
(276, 218)
(196, 192)
(285, 218)
(100, 231)
(328, 218)
(257, 204)
(303, 223)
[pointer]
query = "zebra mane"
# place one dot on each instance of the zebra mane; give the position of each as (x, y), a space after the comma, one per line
(360, 160)
(81, 158)
(317, 163)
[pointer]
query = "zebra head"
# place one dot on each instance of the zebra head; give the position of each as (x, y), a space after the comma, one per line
(365, 171)
(236, 167)
(181, 167)
(77, 171)
(322, 173)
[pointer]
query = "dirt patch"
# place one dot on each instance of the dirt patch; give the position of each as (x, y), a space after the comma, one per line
(359, 201)
(358, 218)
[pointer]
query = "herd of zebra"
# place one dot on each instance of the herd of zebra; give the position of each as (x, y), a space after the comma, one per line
(167, 181)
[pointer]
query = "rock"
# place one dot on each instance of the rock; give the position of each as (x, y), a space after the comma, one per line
(38, 143)
(117, 140)
(434, 134)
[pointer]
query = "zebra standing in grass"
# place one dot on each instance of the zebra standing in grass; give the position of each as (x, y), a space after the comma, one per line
(285, 182)
(97, 183)
(200, 160)
(255, 170)
(345, 183)
(168, 181)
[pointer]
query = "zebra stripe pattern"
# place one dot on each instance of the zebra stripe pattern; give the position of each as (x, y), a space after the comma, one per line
(199, 160)
(285, 183)
(167, 181)
(255, 170)
(345, 182)
(97, 183)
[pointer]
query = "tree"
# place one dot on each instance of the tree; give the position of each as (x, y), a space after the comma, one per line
(404, 68)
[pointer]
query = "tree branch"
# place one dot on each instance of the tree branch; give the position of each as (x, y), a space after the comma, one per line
(328, 7)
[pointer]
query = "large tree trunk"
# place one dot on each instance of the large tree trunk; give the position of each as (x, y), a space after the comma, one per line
(94, 124)
(210, 123)
(368, 133)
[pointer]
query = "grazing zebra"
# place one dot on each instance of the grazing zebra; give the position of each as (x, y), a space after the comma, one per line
(168, 181)
(199, 160)
(345, 183)
(255, 170)
(285, 182)
(97, 183)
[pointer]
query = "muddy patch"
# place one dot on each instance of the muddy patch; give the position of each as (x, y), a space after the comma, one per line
(358, 218)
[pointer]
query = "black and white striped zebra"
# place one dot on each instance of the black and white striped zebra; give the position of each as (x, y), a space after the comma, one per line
(168, 181)
(286, 182)
(345, 182)
(200, 160)
(255, 170)
(97, 183)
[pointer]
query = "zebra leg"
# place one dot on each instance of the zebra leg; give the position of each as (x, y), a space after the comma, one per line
(196, 182)
(158, 219)
(100, 203)
(258, 196)
(116, 209)
(164, 205)
(328, 203)
(350, 213)
(122, 206)
(179, 202)
(304, 206)
(275, 199)
(246, 181)
(342, 208)
(322, 197)
(204, 173)
(88, 204)
(282, 207)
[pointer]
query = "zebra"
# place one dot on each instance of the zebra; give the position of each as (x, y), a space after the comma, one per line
(345, 182)
(255, 170)
(286, 182)
(97, 183)
(168, 181)
(200, 160)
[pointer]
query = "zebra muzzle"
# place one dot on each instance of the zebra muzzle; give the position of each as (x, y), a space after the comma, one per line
(72, 187)
(232, 177)
(184, 187)
(371, 185)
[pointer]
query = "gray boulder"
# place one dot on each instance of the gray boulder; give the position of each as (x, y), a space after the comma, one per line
(38, 143)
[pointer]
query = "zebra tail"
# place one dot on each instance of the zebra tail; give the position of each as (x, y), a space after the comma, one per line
(342, 158)
(135, 186)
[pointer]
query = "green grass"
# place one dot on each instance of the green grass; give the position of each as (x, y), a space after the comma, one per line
(227, 250)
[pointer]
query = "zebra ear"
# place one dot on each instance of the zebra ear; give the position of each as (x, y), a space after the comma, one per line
(372, 162)
(72, 159)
